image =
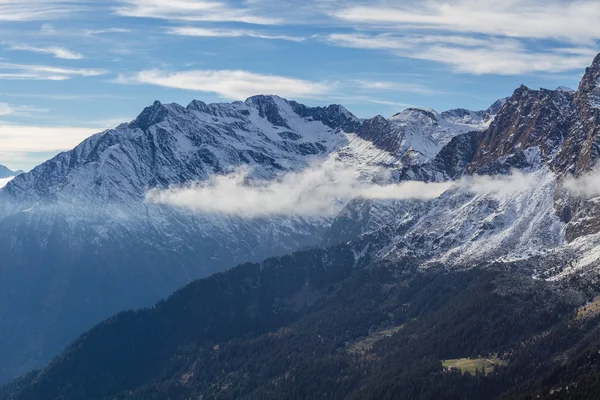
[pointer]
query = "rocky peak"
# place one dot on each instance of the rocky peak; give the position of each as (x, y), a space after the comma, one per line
(382, 133)
(422, 115)
(495, 108)
(197, 105)
(269, 107)
(334, 116)
(151, 116)
(529, 118)
(589, 83)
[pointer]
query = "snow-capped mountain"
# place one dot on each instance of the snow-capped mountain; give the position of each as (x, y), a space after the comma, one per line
(77, 236)
(551, 136)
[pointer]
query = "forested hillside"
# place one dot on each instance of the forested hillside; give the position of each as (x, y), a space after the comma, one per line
(315, 325)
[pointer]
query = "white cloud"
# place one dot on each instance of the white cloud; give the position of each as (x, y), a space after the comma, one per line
(92, 32)
(10, 110)
(515, 182)
(6, 109)
(574, 20)
(476, 56)
(236, 85)
(315, 192)
(25, 146)
(24, 138)
(228, 33)
(586, 185)
(44, 72)
(57, 52)
(37, 10)
(404, 87)
(192, 10)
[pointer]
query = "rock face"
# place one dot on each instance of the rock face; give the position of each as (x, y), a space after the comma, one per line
(551, 135)
(79, 243)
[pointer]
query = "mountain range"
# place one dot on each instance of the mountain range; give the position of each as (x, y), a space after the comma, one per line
(501, 269)
(7, 173)
(82, 243)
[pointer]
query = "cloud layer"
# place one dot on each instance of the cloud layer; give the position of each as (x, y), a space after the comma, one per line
(318, 191)
(314, 192)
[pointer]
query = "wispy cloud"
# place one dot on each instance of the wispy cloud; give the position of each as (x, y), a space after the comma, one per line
(575, 20)
(405, 87)
(37, 10)
(229, 33)
(65, 96)
(477, 56)
(192, 10)
(11, 71)
(18, 111)
(229, 84)
(57, 52)
(92, 32)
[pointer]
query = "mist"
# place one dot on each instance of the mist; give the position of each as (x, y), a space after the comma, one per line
(586, 185)
(515, 182)
(318, 191)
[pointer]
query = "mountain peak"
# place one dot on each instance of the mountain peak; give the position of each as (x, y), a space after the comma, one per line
(589, 83)
(268, 107)
(411, 112)
(151, 116)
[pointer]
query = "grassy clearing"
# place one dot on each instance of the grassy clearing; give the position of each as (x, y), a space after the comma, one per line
(365, 344)
(471, 365)
(590, 310)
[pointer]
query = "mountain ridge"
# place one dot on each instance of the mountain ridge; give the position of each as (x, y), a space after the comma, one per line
(81, 221)
(389, 264)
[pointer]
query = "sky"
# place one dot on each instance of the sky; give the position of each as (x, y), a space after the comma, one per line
(71, 68)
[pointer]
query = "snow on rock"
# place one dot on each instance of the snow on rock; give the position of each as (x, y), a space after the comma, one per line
(425, 132)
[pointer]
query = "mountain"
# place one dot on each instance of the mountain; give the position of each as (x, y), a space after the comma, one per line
(497, 277)
(7, 173)
(80, 243)
(552, 136)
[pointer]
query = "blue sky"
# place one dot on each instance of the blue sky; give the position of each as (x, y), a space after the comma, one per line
(69, 68)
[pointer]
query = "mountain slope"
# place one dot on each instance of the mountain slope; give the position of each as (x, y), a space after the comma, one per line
(316, 323)
(549, 135)
(494, 271)
(80, 240)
